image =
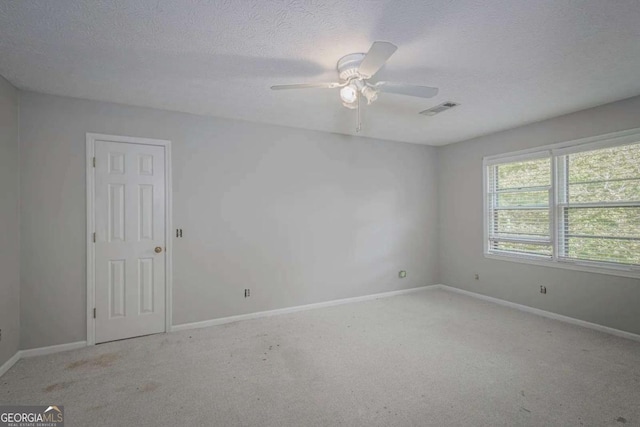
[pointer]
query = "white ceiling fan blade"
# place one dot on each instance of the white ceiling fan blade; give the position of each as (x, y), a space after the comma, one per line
(406, 89)
(378, 54)
(308, 86)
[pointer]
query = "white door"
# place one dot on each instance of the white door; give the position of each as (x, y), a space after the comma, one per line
(129, 240)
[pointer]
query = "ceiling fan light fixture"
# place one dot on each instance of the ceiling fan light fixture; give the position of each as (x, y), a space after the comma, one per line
(349, 94)
(369, 93)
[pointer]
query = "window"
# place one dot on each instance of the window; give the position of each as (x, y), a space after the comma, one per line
(599, 205)
(571, 204)
(520, 207)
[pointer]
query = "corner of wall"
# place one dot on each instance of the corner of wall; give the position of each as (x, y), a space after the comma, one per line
(10, 217)
(19, 228)
(438, 184)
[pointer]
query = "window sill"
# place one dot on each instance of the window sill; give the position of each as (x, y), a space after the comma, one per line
(623, 272)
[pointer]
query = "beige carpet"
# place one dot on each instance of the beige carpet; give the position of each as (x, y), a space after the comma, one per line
(428, 358)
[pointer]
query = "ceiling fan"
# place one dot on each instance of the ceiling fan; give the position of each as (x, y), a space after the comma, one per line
(355, 70)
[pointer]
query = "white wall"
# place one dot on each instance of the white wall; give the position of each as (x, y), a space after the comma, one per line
(297, 216)
(604, 299)
(9, 221)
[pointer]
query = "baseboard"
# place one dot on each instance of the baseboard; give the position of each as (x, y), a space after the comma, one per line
(257, 315)
(543, 313)
(41, 351)
(9, 363)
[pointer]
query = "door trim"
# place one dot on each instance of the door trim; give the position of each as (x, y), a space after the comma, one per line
(91, 284)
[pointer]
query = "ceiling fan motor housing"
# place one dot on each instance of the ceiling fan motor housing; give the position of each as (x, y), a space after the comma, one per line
(348, 65)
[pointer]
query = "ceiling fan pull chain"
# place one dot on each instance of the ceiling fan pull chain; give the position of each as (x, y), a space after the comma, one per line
(359, 122)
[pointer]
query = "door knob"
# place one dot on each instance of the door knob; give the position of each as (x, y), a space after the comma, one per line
(158, 249)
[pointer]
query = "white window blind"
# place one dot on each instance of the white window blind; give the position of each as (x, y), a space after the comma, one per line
(519, 197)
(577, 204)
(599, 205)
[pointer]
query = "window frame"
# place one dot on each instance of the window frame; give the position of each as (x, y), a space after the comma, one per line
(554, 152)
(489, 209)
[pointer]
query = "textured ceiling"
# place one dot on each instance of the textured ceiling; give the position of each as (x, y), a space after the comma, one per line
(507, 62)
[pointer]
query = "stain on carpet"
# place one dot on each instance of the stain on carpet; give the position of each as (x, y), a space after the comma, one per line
(149, 387)
(102, 361)
(57, 386)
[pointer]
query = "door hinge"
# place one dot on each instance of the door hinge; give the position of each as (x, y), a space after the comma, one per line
(94, 313)
(94, 162)
(94, 237)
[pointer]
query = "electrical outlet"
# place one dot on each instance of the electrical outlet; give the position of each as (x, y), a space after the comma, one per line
(402, 274)
(247, 293)
(477, 276)
(543, 289)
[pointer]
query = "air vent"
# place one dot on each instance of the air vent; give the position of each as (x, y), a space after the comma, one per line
(439, 108)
